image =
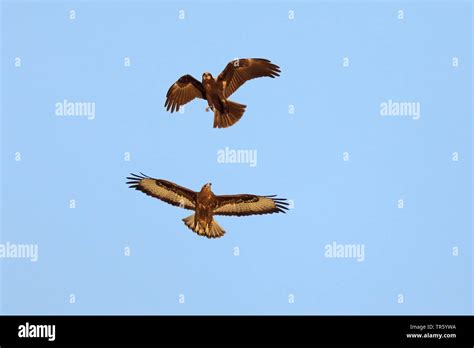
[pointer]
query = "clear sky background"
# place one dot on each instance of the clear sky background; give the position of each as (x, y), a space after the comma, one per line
(408, 251)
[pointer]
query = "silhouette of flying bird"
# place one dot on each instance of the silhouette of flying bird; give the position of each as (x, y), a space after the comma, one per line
(206, 204)
(216, 91)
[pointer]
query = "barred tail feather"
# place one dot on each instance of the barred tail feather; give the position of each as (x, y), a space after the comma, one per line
(213, 230)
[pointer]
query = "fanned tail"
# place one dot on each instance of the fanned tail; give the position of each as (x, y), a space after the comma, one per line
(213, 230)
(232, 113)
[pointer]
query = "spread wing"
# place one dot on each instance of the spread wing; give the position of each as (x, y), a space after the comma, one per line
(241, 205)
(183, 91)
(165, 190)
(238, 71)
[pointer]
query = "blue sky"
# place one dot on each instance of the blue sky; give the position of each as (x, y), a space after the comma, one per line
(408, 252)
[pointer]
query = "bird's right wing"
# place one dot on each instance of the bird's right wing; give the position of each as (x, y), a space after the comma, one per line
(165, 190)
(242, 205)
(183, 91)
(239, 71)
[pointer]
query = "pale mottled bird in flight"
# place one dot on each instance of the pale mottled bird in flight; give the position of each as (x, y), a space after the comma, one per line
(206, 204)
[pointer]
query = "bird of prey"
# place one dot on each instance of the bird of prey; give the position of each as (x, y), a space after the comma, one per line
(206, 204)
(216, 91)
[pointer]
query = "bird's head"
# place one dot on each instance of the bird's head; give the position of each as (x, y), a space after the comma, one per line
(206, 76)
(207, 187)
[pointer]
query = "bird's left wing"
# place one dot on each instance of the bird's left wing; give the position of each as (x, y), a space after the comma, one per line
(238, 71)
(241, 205)
(167, 191)
(183, 91)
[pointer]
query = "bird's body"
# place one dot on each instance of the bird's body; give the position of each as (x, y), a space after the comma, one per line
(217, 90)
(206, 204)
(214, 96)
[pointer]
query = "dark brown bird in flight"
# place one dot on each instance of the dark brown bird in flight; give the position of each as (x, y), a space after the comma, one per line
(216, 91)
(206, 204)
